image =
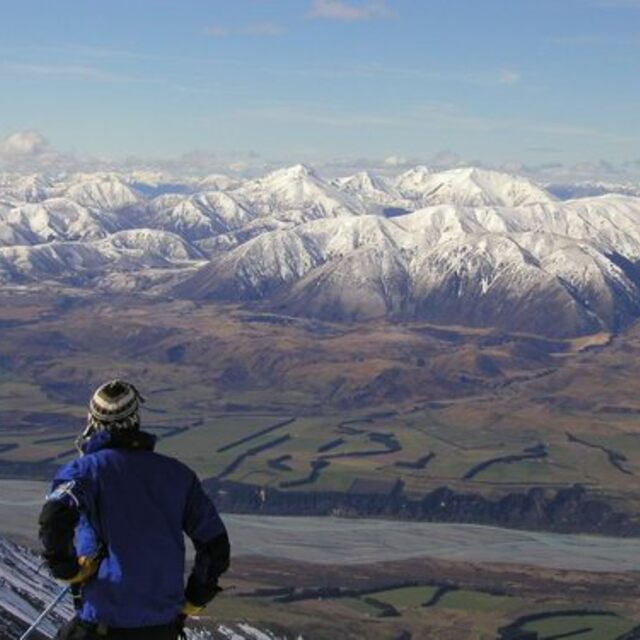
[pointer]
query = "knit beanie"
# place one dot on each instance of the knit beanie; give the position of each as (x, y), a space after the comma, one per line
(113, 407)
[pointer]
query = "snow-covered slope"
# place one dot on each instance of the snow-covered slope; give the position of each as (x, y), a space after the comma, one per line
(470, 187)
(197, 217)
(107, 194)
(414, 182)
(28, 188)
(562, 269)
(26, 590)
(216, 182)
(264, 264)
(51, 220)
(467, 246)
(590, 188)
(297, 194)
(80, 263)
(373, 191)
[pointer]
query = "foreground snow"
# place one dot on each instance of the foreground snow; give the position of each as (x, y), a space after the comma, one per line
(26, 589)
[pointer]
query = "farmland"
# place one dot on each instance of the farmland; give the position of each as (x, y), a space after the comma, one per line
(490, 459)
(400, 600)
(301, 407)
(410, 422)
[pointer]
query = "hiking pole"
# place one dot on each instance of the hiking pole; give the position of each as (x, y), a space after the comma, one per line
(59, 598)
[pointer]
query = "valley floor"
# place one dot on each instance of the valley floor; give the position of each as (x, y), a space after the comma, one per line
(326, 578)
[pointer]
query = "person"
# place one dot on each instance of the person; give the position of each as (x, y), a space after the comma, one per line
(112, 527)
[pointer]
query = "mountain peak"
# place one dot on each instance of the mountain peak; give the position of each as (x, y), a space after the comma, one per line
(297, 171)
(470, 187)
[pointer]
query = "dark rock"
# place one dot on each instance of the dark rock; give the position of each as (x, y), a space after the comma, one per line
(570, 510)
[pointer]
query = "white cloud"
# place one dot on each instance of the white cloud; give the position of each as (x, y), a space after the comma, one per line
(348, 11)
(396, 161)
(23, 144)
(30, 151)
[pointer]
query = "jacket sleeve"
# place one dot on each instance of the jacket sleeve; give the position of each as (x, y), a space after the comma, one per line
(209, 535)
(59, 518)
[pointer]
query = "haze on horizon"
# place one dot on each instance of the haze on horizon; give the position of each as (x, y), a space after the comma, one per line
(390, 82)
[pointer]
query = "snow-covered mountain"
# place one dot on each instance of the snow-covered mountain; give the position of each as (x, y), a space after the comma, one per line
(79, 263)
(466, 246)
(28, 188)
(469, 187)
(373, 191)
(110, 193)
(562, 269)
(197, 217)
(297, 194)
(590, 188)
(54, 219)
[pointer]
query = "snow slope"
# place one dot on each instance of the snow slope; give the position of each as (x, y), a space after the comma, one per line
(297, 194)
(470, 187)
(26, 590)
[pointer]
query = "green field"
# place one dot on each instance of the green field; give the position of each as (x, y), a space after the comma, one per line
(405, 597)
(204, 437)
(595, 627)
(461, 614)
(481, 602)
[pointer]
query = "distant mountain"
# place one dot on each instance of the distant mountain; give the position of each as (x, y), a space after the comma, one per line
(52, 220)
(199, 216)
(469, 187)
(108, 194)
(80, 263)
(373, 191)
(28, 188)
(465, 246)
(590, 188)
(295, 195)
(414, 183)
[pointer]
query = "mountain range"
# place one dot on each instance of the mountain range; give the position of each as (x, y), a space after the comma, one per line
(465, 246)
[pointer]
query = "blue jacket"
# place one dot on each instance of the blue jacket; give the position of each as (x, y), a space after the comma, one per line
(135, 504)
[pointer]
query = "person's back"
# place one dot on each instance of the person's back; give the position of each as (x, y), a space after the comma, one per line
(127, 508)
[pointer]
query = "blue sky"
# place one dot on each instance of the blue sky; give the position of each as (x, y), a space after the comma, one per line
(532, 81)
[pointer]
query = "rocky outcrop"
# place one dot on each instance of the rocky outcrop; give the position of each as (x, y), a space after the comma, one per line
(569, 510)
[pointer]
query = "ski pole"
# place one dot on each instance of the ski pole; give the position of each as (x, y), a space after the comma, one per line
(59, 598)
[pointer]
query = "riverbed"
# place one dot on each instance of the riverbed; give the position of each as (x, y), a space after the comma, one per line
(363, 541)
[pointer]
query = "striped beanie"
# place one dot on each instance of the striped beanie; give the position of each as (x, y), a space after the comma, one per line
(113, 407)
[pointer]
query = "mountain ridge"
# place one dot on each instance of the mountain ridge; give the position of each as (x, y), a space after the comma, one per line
(463, 246)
